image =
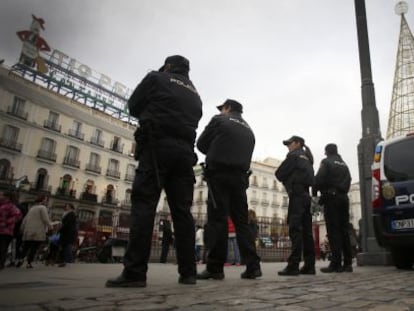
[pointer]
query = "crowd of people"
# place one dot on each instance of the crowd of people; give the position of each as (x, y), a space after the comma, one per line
(25, 230)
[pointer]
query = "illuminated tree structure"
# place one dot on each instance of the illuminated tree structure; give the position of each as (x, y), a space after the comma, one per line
(401, 117)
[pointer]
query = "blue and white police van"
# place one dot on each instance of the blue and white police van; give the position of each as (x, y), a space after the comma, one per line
(393, 198)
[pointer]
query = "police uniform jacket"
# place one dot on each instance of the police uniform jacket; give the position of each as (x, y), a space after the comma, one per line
(171, 102)
(227, 141)
(333, 175)
(296, 172)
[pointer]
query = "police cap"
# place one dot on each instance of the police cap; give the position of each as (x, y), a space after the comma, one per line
(177, 61)
(234, 105)
(294, 138)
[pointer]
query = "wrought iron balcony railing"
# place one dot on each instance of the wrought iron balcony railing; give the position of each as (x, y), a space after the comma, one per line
(77, 134)
(10, 144)
(113, 173)
(47, 155)
(52, 125)
(20, 113)
(71, 162)
(93, 168)
(97, 141)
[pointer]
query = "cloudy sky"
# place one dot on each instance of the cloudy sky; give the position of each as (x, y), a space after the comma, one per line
(293, 64)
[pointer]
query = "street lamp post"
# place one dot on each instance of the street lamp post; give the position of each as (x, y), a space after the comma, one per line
(371, 254)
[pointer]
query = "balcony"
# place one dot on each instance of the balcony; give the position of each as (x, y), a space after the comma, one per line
(76, 134)
(52, 125)
(93, 168)
(72, 162)
(62, 192)
(46, 155)
(254, 201)
(91, 197)
(129, 177)
(10, 144)
(113, 174)
(19, 113)
(117, 147)
(97, 141)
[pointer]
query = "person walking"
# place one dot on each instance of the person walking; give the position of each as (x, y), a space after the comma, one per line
(9, 216)
(228, 143)
(168, 108)
(297, 175)
(167, 239)
(333, 181)
(17, 242)
(68, 234)
(232, 246)
(34, 226)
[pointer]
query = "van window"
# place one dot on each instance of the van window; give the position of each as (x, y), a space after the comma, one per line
(399, 161)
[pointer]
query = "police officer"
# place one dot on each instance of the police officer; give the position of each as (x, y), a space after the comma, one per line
(228, 143)
(168, 108)
(296, 173)
(333, 180)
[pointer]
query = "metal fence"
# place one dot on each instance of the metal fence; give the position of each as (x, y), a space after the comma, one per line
(272, 243)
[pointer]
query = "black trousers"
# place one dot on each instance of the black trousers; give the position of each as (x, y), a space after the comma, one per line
(300, 230)
(165, 248)
(175, 160)
(4, 245)
(229, 191)
(336, 212)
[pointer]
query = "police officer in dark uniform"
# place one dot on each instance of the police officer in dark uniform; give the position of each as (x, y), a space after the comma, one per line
(228, 143)
(333, 180)
(168, 108)
(296, 173)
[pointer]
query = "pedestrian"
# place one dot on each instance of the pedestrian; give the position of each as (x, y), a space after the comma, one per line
(296, 173)
(167, 238)
(9, 216)
(168, 108)
(68, 233)
(232, 246)
(34, 226)
(199, 243)
(17, 242)
(333, 181)
(228, 143)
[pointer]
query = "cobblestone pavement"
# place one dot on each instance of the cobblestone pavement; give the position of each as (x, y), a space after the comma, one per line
(81, 287)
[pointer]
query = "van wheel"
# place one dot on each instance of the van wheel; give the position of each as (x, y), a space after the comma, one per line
(402, 258)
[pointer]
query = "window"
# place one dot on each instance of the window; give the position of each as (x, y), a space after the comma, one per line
(53, 118)
(72, 156)
(41, 179)
(76, 126)
(116, 145)
(52, 121)
(48, 145)
(76, 130)
(131, 169)
(11, 133)
(113, 168)
(5, 169)
(72, 153)
(18, 106)
(94, 159)
(97, 138)
(113, 165)
(47, 149)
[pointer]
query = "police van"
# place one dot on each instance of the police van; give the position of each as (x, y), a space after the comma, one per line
(393, 198)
